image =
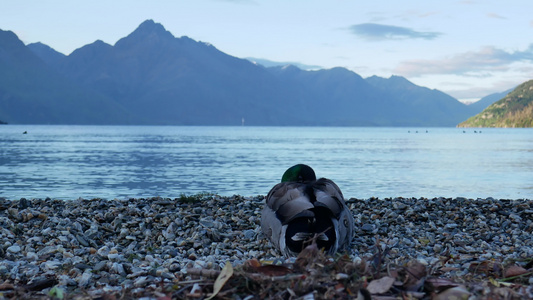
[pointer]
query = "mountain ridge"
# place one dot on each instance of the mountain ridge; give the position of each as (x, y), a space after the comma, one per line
(32, 92)
(152, 77)
(513, 110)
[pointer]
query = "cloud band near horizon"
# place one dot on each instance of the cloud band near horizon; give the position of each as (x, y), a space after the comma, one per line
(377, 32)
(467, 63)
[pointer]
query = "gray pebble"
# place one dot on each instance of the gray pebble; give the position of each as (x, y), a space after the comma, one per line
(13, 249)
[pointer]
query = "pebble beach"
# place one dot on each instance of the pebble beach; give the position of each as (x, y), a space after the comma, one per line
(146, 248)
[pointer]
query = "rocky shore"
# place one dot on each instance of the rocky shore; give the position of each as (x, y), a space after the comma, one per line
(100, 249)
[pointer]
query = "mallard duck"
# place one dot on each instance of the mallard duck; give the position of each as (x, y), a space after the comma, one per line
(302, 209)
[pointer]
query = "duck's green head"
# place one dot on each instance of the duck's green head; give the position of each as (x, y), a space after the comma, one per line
(299, 173)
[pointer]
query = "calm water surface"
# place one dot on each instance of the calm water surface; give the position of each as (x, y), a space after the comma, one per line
(68, 162)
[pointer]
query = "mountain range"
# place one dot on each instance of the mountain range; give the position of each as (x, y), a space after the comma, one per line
(152, 77)
(513, 110)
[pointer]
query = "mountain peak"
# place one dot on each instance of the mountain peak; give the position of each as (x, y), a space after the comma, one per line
(90, 50)
(8, 37)
(149, 32)
(46, 53)
(394, 81)
(149, 27)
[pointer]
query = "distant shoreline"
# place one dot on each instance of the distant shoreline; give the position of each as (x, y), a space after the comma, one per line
(420, 127)
(203, 195)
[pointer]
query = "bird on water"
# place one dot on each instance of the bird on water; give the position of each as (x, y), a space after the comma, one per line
(302, 210)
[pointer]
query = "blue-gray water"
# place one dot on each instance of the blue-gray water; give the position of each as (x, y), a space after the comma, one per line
(67, 162)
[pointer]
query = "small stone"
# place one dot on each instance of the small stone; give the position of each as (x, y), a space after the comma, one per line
(14, 249)
(47, 251)
(341, 276)
(51, 265)
(367, 227)
(113, 256)
(149, 258)
(82, 240)
(118, 268)
(141, 281)
(32, 256)
(85, 279)
(82, 266)
(65, 280)
(24, 203)
(451, 226)
(99, 266)
(175, 267)
(249, 234)
(168, 275)
(103, 251)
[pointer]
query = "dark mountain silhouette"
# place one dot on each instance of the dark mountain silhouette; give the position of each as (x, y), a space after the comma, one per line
(32, 92)
(178, 80)
(414, 102)
(46, 53)
(152, 77)
(336, 97)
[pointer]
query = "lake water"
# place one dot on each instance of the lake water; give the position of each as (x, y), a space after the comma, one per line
(67, 162)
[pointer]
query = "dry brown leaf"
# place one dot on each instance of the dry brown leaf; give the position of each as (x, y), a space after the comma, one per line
(416, 269)
(416, 274)
(308, 254)
(339, 287)
(514, 270)
(455, 293)
(222, 278)
(273, 270)
(484, 267)
(380, 286)
(6, 286)
(440, 284)
(252, 263)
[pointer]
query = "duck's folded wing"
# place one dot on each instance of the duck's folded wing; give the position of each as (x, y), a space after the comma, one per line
(329, 195)
(345, 228)
(271, 226)
(298, 207)
(288, 201)
(281, 193)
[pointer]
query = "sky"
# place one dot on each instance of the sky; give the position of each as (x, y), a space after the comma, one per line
(467, 49)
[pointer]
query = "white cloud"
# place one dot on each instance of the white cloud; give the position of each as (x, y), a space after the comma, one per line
(373, 31)
(478, 92)
(478, 64)
(496, 16)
